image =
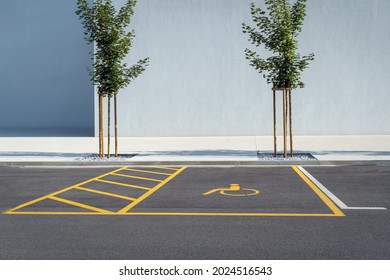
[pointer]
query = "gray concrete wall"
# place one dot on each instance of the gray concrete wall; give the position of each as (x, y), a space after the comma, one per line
(199, 83)
(44, 86)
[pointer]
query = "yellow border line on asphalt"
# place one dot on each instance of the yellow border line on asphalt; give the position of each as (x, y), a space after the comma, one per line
(106, 193)
(137, 177)
(124, 185)
(147, 171)
(120, 184)
(153, 190)
(323, 197)
(229, 214)
(215, 214)
(166, 168)
(61, 191)
(81, 205)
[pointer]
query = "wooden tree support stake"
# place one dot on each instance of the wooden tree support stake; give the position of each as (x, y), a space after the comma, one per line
(101, 124)
(287, 111)
(116, 127)
(274, 103)
(290, 121)
(108, 125)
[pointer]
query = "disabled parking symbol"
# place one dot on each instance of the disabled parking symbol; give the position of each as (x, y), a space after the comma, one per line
(233, 190)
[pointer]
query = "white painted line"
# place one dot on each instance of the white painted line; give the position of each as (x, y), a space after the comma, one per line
(334, 198)
(366, 208)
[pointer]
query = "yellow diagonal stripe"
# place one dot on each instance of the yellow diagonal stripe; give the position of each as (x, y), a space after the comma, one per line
(61, 191)
(148, 171)
(150, 192)
(166, 168)
(137, 177)
(81, 205)
(106, 193)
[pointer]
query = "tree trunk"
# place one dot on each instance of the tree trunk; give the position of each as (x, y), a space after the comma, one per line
(116, 127)
(274, 111)
(108, 125)
(290, 115)
(284, 122)
(101, 124)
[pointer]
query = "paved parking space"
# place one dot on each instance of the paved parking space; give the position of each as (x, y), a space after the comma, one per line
(239, 192)
(196, 192)
(114, 192)
(195, 213)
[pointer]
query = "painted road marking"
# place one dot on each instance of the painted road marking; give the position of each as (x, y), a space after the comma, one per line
(149, 191)
(81, 205)
(106, 193)
(315, 188)
(95, 210)
(336, 211)
(232, 191)
(166, 168)
(137, 177)
(13, 210)
(148, 171)
(334, 198)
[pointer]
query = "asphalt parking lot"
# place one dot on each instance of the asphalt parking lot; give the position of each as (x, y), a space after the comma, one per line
(195, 213)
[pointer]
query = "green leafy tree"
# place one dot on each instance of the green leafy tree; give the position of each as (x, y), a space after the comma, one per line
(277, 31)
(106, 29)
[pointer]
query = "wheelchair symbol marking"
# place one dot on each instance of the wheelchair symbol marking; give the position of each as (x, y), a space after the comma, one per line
(234, 190)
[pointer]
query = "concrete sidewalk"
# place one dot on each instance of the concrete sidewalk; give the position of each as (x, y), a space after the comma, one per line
(235, 150)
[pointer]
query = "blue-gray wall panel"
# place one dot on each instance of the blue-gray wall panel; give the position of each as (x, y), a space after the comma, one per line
(43, 76)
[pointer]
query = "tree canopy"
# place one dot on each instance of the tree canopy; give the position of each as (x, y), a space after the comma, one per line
(107, 30)
(277, 30)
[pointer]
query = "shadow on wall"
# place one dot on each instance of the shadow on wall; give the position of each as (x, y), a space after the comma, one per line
(43, 74)
(47, 132)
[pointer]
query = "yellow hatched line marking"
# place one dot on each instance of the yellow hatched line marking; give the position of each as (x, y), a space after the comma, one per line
(80, 205)
(136, 177)
(148, 171)
(106, 193)
(120, 184)
(166, 168)
(124, 185)
(61, 191)
(150, 192)
(323, 197)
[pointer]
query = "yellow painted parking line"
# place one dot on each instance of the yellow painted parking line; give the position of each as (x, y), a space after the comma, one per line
(166, 168)
(106, 193)
(321, 195)
(61, 191)
(55, 213)
(137, 177)
(150, 192)
(118, 183)
(210, 214)
(85, 206)
(227, 214)
(148, 171)
(124, 185)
